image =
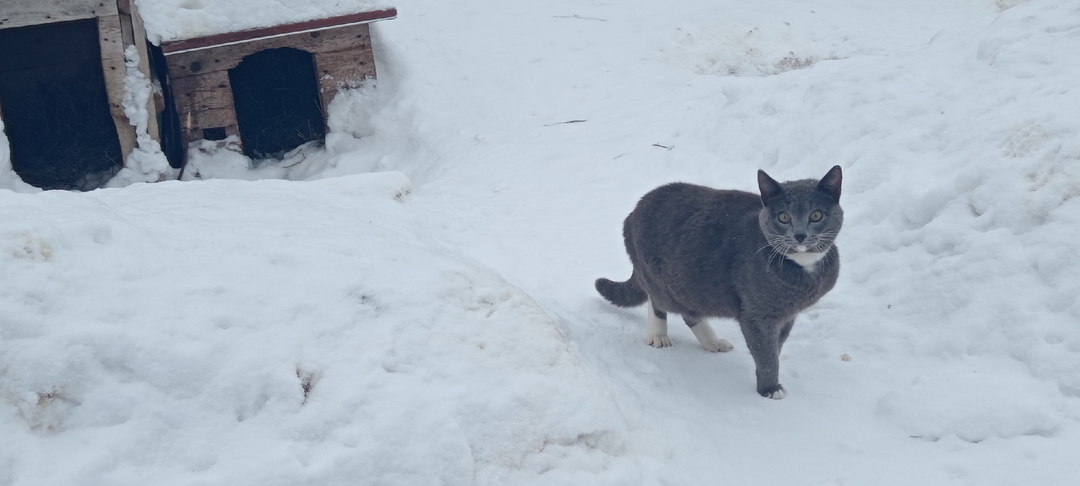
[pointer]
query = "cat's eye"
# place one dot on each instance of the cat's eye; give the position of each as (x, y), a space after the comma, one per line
(784, 218)
(815, 216)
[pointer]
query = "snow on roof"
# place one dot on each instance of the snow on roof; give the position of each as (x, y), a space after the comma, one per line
(174, 20)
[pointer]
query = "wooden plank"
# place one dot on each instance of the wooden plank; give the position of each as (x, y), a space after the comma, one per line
(111, 37)
(277, 30)
(227, 57)
(111, 41)
(341, 70)
(21, 13)
(115, 71)
(344, 68)
(204, 102)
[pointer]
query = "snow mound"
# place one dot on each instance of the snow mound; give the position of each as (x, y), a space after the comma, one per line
(347, 342)
(981, 236)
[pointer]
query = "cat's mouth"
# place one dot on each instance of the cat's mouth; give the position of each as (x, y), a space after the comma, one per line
(810, 247)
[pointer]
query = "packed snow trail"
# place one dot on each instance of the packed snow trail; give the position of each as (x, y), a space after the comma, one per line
(954, 375)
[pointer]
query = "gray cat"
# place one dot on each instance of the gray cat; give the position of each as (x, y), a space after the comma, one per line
(701, 252)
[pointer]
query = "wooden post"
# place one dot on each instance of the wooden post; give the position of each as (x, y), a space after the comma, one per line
(130, 13)
(144, 66)
(111, 38)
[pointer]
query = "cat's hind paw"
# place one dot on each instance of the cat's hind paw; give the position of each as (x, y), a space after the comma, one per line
(773, 392)
(717, 346)
(661, 341)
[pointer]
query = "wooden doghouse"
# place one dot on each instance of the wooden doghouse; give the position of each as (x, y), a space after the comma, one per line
(269, 86)
(62, 77)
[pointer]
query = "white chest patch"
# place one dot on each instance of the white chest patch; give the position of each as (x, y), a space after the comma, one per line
(807, 259)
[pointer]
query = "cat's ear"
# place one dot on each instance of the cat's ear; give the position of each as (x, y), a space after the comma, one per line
(830, 184)
(770, 189)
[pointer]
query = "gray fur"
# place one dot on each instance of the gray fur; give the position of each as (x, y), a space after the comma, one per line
(702, 252)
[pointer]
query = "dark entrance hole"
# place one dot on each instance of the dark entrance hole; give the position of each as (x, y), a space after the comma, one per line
(215, 133)
(55, 106)
(276, 96)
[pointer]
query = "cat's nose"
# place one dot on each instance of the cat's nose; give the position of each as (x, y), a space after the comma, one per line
(800, 237)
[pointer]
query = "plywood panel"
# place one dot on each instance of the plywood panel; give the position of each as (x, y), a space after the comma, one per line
(342, 69)
(21, 13)
(204, 102)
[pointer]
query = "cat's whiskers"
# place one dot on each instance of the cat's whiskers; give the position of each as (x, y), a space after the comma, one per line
(828, 235)
(775, 254)
(823, 242)
(830, 256)
(780, 248)
(766, 245)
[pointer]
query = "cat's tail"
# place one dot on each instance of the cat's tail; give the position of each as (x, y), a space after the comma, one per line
(622, 294)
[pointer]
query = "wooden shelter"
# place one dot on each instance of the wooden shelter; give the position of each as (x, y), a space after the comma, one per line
(268, 86)
(62, 78)
(62, 87)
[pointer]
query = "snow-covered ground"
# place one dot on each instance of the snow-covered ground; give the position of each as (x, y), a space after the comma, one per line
(416, 307)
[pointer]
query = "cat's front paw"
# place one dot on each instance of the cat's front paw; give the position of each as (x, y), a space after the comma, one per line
(774, 392)
(707, 338)
(717, 346)
(661, 341)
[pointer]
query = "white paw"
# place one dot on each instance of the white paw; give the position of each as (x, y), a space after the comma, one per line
(776, 394)
(708, 340)
(661, 341)
(717, 346)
